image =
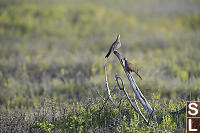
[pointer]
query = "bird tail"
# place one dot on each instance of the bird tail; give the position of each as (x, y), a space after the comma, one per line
(108, 52)
(139, 76)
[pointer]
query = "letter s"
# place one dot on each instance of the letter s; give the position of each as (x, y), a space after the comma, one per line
(192, 108)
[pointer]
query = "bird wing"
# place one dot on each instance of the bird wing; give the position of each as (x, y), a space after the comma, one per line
(131, 67)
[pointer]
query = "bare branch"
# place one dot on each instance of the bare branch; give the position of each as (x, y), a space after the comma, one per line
(103, 105)
(108, 90)
(123, 89)
(150, 117)
(135, 88)
(99, 94)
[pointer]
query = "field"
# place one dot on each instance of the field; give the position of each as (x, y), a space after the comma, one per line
(52, 56)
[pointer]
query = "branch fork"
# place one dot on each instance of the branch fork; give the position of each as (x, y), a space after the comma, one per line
(135, 89)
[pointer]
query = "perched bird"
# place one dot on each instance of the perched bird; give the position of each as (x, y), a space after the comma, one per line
(115, 46)
(131, 68)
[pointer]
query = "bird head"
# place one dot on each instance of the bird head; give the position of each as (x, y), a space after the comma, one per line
(125, 58)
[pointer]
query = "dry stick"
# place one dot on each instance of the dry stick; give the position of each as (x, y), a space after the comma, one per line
(140, 93)
(135, 88)
(99, 94)
(150, 117)
(120, 102)
(103, 105)
(108, 90)
(123, 89)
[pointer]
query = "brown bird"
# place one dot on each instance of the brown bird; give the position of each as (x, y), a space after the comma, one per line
(131, 68)
(115, 46)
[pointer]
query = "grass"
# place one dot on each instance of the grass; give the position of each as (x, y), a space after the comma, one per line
(52, 116)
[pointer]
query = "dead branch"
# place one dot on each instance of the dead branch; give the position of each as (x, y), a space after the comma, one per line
(103, 105)
(130, 101)
(135, 88)
(108, 90)
(150, 117)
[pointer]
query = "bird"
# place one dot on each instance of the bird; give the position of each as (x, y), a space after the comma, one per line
(114, 47)
(131, 68)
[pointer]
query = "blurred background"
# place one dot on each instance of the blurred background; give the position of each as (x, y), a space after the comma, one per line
(56, 48)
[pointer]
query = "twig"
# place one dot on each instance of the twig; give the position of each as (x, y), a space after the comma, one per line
(103, 105)
(108, 90)
(183, 110)
(99, 94)
(120, 102)
(150, 117)
(123, 89)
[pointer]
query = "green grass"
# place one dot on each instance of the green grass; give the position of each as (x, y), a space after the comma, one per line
(56, 49)
(52, 116)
